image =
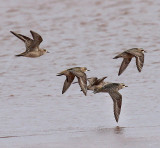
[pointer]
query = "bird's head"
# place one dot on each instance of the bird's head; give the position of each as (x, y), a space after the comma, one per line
(45, 51)
(84, 69)
(142, 50)
(123, 85)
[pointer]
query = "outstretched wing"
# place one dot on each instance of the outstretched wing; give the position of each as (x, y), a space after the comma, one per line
(124, 64)
(92, 80)
(37, 38)
(22, 37)
(117, 103)
(82, 80)
(67, 82)
(139, 57)
(140, 62)
(100, 80)
(28, 41)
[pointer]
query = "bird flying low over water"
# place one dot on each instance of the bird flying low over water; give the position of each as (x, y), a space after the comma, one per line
(95, 83)
(70, 74)
(32, 45)
(127, 56)
(112, 89)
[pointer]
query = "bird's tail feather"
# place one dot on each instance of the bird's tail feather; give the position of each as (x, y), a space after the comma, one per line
(116, 57)
(59, 74)
(18, 55)
(21, 54)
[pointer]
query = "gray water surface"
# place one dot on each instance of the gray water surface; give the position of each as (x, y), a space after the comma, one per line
(34, 113)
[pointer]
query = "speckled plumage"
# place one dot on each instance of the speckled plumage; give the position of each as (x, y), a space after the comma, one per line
(32, 45)
(70, 74)
(112, 89)
(95, 83)
(127, 56)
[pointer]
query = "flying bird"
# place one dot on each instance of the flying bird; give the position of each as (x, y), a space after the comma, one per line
(95, 83)
(112, 89)
(70, 74)
(127, 56)
(32, 45)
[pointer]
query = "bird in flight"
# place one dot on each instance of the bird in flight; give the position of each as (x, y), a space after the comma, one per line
(127, 56)
(112, 89)
(95, 83)
(32, 45)
(70, 74)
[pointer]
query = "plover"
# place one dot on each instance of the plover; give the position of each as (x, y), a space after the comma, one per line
(70, 74)
(95, 83)
(112, 89)
(127, 56)
(32, 45)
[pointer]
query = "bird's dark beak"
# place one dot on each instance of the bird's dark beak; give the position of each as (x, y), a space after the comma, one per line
(88, 70)
(145, 51)
(47, 51)
(126, 86)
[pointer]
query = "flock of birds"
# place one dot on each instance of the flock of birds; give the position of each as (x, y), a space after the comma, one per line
(95, 84)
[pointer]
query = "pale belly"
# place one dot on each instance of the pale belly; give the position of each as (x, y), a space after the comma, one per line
(33, 54)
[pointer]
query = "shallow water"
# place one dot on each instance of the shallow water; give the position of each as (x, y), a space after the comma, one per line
(88, 33)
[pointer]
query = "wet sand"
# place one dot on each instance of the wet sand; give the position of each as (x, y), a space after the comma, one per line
(34, 113)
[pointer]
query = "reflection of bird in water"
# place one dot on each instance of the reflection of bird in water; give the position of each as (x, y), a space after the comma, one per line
(127, 56)
(118, 130)
(70, 74)
(32, 45)
(115, 130)
(112, 89)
